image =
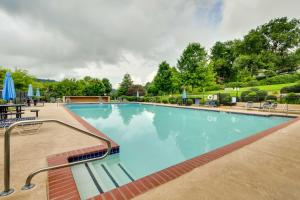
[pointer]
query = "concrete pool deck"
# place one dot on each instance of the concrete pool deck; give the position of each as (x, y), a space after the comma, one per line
(268, 168)
(30, 152)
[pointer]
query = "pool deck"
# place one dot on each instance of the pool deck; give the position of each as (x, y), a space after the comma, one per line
(266, 169)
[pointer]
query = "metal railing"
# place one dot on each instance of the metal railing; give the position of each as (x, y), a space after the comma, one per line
(28, 185)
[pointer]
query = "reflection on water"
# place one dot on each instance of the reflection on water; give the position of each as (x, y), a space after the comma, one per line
(155, 137)
(128, 112)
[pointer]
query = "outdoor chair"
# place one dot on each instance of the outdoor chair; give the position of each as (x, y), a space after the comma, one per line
(249, 105)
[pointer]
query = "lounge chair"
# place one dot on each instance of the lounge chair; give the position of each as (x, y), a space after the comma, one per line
(269, 105)
(210, 104)
(249, 105)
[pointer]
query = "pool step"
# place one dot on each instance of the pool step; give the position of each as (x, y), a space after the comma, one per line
(100, 176)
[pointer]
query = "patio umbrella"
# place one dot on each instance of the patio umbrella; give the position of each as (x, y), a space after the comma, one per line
(137, 94)
(38, 94)
(30, 91)
(8, 92)
(184, 94)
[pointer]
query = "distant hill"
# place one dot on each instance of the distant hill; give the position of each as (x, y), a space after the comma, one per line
(45, 80)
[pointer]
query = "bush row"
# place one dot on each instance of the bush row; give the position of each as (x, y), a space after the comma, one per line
(279, 79)
(157, 99)
(289, 89)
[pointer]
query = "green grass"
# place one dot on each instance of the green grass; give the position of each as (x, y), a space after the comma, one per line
(272, 89)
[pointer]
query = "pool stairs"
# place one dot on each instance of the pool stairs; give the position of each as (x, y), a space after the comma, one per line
(100, 176)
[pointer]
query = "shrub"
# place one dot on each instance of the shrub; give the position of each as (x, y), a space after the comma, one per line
(146, 99)
(225, 98)
(189, 102)
(292, 98)
(234, 84)
(141, 99)
(172, 100)
(261, 95)
(179, 100)
(280, 79)
(253, 83)
(251, 96)
(213, 87)
(293, 88)
(271, 97)
(254, 94)
(157, 99)
(165, 100)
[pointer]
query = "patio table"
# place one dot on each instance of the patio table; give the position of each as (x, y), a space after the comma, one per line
(4, 110)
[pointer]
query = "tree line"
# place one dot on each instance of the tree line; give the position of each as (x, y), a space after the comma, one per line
(264, 52)
(87, 86)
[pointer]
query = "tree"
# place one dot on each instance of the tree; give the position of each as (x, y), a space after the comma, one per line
(223, 55)
(107, 85)
(94, 87)
(22, 79)
(151, 89)
(193, 55)
(125, 85)
(176, 80)
(163, 78)
(282, 34)
(254, 43)
(246, 66)
(205, 75)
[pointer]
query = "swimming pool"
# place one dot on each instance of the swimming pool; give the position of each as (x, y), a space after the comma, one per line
(152, 138)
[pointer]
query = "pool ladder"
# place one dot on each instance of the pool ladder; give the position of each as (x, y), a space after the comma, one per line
(28, 185)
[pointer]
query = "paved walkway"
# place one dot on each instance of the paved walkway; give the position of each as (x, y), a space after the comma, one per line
(29, 152)
(266, 169)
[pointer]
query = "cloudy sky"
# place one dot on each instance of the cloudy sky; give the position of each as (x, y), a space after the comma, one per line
(102, 38)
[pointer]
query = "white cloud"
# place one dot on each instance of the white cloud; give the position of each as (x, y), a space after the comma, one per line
(239, 16)
(57, 39)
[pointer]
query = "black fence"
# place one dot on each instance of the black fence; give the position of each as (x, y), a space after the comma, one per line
(20, 96)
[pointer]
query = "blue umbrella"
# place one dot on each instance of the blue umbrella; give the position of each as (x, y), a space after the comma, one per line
(184, 94)
(8, 92)
(38, 94)
(30, 91)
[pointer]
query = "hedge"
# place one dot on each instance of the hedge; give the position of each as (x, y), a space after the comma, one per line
(293, 88)
(292, 98)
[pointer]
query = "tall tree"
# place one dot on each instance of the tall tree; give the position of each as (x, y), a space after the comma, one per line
(205, 75)
(282, 34)
(163, 78)
(223, 55)
(125, 85)
(192, 56)
(94, 87)
(107, 85)
(176, 80)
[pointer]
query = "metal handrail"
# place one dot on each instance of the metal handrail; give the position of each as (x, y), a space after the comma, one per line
(28, 184)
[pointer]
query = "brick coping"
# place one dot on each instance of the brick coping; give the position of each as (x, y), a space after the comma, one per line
(61, 184)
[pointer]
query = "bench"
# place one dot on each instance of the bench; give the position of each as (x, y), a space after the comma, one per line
(36, 112)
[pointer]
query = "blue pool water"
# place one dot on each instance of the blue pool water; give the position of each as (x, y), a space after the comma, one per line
(152, 138)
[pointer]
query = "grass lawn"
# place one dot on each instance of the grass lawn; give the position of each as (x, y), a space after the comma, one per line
(272, 89)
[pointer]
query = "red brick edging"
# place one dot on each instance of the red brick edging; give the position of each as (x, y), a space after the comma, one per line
(61, 184)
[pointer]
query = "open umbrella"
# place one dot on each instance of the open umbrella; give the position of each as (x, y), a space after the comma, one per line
(38, 94)
(30, 91)
(8, 92)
